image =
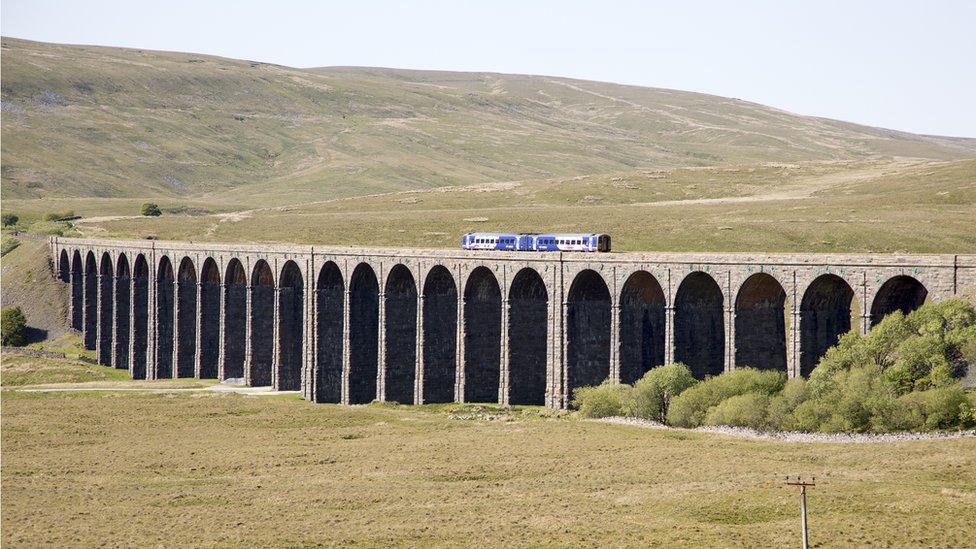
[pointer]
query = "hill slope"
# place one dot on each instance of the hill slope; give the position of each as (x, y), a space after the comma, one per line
(81, 121)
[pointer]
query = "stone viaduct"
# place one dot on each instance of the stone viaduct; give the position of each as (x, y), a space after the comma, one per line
(353, 325)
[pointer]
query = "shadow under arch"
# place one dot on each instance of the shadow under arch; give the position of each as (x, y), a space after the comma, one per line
(899, 293)
(642, 320)
(699, 325)
(329, 304)
(825, 315)
(482, 329)
(528, 330)
(760, 323)
(588, 313)
(440, 336)
(291, 299)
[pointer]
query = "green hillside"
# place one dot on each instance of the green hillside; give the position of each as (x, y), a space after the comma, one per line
(82, 121)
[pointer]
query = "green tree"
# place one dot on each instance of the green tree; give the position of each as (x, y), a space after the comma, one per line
(10, 220)
(150, 209)
(13, 326)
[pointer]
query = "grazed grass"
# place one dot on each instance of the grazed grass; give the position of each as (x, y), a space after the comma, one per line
(24, 370)
(202, 469)
(920, 207)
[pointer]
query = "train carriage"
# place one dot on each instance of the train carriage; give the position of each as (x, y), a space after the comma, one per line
(534, 242)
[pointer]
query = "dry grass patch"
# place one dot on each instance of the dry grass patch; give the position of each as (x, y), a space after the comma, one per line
(201, 469)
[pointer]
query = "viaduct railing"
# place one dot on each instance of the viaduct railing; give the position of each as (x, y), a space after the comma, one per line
(353, 325)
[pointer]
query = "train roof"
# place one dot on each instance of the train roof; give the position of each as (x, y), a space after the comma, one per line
(557, 235)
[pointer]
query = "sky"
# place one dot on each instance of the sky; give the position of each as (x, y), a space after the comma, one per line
(895, 64)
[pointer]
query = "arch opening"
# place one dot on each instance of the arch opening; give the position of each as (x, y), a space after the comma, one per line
(77, 292)
(291, 297)
(699, 325)
(642, 320)
(91, 303)
(825, 315)
(899, 293)
(64, 267)
(329, 296)
(363, 334)
(262, 324)
(186, 322)
(760, 323)
(123, 314)
(400, 329)
(528, 329)
(440, 336)
(165, 302)
(588, 331)
(140, 317)
(235, 320)
(209, 319)
(482, 336)
(106, 295)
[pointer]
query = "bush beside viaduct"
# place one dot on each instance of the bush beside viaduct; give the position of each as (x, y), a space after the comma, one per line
(353, 325)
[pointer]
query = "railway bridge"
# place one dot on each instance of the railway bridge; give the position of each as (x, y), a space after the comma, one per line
(353, 325)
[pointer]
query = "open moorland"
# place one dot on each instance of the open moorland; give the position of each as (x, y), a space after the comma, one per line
(191, 467)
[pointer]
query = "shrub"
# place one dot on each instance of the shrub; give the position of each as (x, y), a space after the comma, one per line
(13, 326)
(690, 407)
(150, 209)
(748, 410)
(59, 216)
(605, 400)
(654, 392)
(782, 406)
(9, 219)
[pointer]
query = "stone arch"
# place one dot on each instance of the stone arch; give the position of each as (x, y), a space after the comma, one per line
(235, 319)
(760, 323)
(291, 324)
(528, 329)
(64, 267)
(440, 335)
(262, 324)
(165, 300)
(186, 322)
(140, 317)
(699, 325)
(209, 319)
(588, 311)
(329, 303)
(123, 313)
(77, 292)
(899, 293)
(106, 295)
(400, 335)
(642, 319)
(363, 334)
(91, 302)
(825, 315)
(482, 336)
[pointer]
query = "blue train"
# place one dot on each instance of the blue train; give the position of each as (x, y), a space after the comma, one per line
(531, 242)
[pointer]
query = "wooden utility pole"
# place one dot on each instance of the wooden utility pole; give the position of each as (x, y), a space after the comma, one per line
(803, 504)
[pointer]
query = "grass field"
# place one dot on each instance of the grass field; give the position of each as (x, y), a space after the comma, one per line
(879, 206)
(178, 469)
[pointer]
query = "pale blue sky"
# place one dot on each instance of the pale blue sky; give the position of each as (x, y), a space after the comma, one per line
(903, 65)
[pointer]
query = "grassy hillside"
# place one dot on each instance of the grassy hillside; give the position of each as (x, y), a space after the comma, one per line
(81, 121)
(905, 206)
(197, 468)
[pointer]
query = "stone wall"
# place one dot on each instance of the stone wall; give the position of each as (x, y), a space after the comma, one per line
(353, 325)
